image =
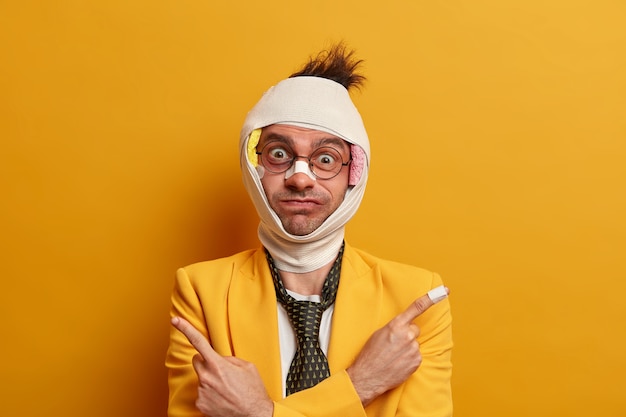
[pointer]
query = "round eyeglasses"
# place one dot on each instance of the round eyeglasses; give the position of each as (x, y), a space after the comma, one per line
(325, 162)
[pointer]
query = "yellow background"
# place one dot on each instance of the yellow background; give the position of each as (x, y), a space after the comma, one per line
(498, 135)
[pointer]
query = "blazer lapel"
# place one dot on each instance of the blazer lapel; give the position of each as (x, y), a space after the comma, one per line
(254, 322)
(357, 310)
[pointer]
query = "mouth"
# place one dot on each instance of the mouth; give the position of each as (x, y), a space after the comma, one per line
(300, 202)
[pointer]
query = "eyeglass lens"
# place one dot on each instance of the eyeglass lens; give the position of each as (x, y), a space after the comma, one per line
(325, 162)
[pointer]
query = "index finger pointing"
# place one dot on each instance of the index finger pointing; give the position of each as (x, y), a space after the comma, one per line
(197, 339)
(423, 303)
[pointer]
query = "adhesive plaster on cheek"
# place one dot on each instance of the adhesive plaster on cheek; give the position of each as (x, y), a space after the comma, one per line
(299, 167)
(437, 294)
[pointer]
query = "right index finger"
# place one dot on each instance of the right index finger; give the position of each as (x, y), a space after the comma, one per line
(197, 339)
(423, 303)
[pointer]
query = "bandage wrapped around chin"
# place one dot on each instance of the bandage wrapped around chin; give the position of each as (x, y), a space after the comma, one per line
(312, 103)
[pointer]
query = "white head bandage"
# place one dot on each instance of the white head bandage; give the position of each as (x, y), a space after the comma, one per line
(319, 104)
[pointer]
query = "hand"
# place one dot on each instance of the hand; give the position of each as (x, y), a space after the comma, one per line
(390, 355)
(227, 386)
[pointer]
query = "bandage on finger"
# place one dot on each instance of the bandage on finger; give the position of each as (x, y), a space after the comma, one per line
(437, 294)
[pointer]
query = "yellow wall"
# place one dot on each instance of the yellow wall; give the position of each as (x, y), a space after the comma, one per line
(498, 132)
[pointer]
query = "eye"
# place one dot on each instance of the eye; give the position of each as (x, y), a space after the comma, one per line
(326, 158)
(277, 154)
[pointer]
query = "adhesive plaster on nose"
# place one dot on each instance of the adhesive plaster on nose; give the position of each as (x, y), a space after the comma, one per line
(299, 167)
(437, 294)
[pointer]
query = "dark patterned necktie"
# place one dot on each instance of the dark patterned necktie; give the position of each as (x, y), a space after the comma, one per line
(309, 365)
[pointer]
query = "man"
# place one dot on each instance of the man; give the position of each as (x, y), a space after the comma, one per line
(308, 325)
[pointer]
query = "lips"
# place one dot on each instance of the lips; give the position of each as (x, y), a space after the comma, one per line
(294, 203)
(299, 204)
(300, 201)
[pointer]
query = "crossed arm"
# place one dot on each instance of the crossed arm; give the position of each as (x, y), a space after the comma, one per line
(230, 386)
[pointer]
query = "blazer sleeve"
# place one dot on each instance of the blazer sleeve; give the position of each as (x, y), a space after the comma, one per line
(333, 397)
(182, 378)
(427, 393)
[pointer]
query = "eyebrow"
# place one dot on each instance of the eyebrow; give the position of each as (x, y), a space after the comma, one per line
(275, 137)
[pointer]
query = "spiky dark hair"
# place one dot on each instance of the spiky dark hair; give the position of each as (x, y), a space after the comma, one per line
(338, 63)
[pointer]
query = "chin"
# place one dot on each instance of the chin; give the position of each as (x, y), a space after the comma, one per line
(298, 229)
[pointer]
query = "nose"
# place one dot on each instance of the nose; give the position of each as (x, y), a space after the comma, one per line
(299, 176)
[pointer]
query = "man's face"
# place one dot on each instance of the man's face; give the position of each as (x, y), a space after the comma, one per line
(301, 202)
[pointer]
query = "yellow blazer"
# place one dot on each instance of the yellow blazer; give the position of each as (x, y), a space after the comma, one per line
(232, 302)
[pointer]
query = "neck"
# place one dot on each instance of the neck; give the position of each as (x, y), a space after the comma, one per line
(306, 283)
(301, 254)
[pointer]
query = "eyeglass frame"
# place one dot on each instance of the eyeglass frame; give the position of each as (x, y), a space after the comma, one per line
(308, 158)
